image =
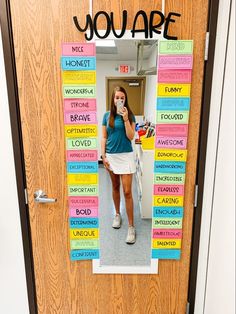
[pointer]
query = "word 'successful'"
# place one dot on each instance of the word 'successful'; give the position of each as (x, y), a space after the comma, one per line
(150, 25)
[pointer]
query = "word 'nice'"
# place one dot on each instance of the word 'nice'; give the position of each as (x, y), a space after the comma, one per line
(150, 27)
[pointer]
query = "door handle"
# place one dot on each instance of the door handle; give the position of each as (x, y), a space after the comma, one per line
(41, 197)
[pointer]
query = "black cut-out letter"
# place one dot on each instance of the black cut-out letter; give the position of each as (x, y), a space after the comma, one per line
(145, 20)
(108, 28)
(89, 22)
(124, 24)
(168, 21)
(153, 28)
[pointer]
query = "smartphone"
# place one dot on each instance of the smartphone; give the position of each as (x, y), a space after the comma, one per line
(119, 106)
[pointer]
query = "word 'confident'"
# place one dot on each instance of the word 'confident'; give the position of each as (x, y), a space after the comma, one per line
(148, 29)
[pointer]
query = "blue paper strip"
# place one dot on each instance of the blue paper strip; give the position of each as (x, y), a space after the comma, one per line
(78, 63)
(179, 103)
(170, 212)
(82, 167)
(170, 167)
(166, 254)
(84, 223)
(78, 255)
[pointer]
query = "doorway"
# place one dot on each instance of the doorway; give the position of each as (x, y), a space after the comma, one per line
(53, 261)
(135, 88)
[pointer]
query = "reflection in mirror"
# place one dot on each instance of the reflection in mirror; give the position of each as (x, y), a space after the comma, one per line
(126, 101)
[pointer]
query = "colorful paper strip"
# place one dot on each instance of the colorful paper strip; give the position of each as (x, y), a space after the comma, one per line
(79, 105)
(78, 63)
(170, 212)
(175, 62)
(80, 49)
(78, 255)
(176, 46)
(169, 166)
(173, 103)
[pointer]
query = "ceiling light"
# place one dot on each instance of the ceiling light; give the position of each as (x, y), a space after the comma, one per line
(105, 43)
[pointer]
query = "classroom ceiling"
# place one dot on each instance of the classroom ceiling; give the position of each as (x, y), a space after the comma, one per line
(125, 50)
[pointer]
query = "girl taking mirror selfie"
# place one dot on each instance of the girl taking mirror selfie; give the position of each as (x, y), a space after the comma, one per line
(118, 130)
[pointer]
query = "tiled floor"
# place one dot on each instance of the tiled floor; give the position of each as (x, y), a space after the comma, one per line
(113, 249)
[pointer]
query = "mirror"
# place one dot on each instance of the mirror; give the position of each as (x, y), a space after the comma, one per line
(126, 77)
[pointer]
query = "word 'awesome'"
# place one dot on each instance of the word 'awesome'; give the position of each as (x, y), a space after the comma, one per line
(150, 26)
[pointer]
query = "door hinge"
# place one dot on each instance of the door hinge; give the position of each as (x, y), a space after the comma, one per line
(196, 195)
(26, 196)
(187, 308)
(206, 46)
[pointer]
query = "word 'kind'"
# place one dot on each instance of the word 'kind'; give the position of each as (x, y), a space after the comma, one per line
(150, 26)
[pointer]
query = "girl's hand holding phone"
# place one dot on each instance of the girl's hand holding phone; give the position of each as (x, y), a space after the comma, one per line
(120, 106)
(125, 114)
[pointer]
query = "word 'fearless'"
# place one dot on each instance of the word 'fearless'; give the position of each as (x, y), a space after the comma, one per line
(150, 26)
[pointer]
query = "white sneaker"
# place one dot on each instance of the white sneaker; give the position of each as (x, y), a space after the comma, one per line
(116, 221)
(131, 235)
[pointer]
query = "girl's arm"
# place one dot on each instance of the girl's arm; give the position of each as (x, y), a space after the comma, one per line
(103, 147)
(129, 127)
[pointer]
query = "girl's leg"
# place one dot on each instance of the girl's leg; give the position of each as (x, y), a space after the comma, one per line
(115, 179)
(127, 188)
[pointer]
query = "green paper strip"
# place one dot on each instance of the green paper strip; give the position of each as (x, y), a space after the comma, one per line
(83, 190)
(176, 47)
(84, 244)
(167, 223)
(169, 178)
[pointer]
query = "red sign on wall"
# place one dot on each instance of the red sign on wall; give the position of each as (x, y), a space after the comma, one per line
(123, 68)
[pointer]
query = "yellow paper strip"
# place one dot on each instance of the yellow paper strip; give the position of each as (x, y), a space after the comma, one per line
(166, 243)
(81, 131)
(169, 200)
(171, 154)
(84, 233)
(79, 77)
(77, 179)
(173, 90)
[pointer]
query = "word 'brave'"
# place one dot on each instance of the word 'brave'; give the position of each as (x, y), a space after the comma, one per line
(148, 29)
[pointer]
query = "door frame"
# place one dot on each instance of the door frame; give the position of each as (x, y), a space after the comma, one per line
(13, 97)
(125, 78)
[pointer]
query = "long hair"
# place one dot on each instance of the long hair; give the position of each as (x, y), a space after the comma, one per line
(113, 110)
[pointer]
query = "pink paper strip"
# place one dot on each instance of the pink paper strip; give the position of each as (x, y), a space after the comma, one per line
(172, 130)
(83, 201)
(80, 118)
(81, 155)
(167, 233)
(175, 62)
(174, 76)
(84, 212)
(79, 105)
(171, 142)
(168, 189)
(79, 49)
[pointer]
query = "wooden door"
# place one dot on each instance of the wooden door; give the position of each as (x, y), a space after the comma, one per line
(136, 92)
(39, 28)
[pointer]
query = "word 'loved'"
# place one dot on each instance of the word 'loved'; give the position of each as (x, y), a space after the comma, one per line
(150, 26)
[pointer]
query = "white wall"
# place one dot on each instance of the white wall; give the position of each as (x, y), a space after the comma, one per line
(220, 286)
(13, 293)
(151, 90)
(216, 274)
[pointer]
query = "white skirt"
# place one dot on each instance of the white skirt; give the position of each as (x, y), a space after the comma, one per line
(122, 163)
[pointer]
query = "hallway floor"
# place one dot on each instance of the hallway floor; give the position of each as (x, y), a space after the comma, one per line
(113, 249)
